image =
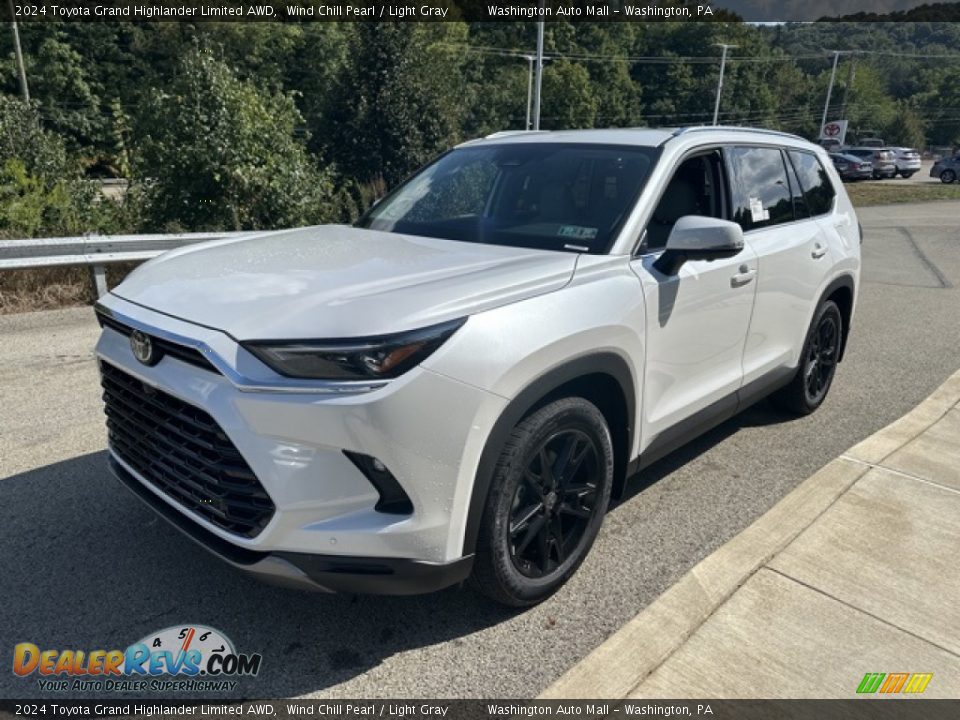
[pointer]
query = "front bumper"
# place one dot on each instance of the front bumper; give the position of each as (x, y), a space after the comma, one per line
(325, 532)
(323, 573)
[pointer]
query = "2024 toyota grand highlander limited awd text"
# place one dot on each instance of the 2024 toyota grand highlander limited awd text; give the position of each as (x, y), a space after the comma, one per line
(456, 385)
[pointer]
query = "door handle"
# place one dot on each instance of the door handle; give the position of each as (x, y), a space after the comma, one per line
(745, 275)
(818, 251)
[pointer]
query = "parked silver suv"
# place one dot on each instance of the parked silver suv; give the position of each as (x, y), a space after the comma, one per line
(456, 385)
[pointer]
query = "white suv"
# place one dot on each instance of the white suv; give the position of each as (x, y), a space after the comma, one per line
(456, 385)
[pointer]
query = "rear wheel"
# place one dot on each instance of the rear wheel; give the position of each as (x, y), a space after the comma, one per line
(948, 176)
(550, 491)
(818, 363)
(906, 175)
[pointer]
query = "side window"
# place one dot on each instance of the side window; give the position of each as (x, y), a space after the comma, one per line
(800, 209)
(814, 181)
(761, 193)
(696, 188)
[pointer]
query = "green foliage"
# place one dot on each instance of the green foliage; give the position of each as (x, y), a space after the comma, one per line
(398, 100)
(41, 192)
(219, 153)
(249, 125)
(906, 128)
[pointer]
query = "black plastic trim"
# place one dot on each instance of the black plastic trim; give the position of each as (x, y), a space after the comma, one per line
(844, 281)
(393, 498)
(723, 409)
(607, 363)
(379, 576)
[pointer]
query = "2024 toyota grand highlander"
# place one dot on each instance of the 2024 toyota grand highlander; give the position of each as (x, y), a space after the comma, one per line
(455, 385)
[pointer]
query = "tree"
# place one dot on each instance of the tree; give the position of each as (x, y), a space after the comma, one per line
(218, 153)
(41, 192)
(906, 129)
(568, 101)
(399, 99)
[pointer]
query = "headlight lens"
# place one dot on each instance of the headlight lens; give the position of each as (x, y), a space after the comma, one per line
(376, 358)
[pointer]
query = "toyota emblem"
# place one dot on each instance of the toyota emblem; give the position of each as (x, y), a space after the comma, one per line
(143, 349)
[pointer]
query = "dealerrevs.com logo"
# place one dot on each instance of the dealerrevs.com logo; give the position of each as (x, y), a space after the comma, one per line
(177, 659)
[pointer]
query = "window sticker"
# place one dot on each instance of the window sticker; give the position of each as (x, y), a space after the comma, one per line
(578, 232)
(757, 213)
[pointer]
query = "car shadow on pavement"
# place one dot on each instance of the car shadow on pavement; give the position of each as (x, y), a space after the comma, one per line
(85, 565)
(759, 414)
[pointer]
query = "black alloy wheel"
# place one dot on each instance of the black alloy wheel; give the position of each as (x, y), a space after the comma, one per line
(818, 362)
(948, 176)
(554, 504)
(549, 492)
(821, 359)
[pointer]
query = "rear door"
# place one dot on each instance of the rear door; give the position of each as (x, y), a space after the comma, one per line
(793, 255)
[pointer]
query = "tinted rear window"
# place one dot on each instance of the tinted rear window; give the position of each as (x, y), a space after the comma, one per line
(817, 189)
(761, 192)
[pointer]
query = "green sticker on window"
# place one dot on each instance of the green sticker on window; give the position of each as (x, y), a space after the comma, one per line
(578, 232)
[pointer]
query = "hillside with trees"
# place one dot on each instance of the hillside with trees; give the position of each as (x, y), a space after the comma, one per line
(248, 125)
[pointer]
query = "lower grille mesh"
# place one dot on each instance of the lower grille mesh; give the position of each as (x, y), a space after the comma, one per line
(182, 451)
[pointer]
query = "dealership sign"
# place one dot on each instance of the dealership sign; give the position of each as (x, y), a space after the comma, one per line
(834, 130)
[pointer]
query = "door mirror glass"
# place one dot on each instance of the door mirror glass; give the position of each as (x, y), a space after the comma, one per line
(695, 237)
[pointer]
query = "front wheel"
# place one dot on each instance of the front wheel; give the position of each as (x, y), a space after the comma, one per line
(818, 362)
(948, 176)
(550, 491)
(906, 175)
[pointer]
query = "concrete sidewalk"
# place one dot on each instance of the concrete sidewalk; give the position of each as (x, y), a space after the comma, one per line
(856, 571)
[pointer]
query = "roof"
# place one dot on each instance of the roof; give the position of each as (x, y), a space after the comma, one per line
(650, 137)
(612, 136)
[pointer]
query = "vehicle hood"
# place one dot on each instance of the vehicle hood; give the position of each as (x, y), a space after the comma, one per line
(337, 281)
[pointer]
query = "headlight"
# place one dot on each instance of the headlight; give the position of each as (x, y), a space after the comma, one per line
(376, 358)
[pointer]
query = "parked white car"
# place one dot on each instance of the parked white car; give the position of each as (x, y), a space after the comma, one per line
(907, 160)
(456, 385)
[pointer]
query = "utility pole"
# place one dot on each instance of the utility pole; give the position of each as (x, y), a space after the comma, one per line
(24, 90)
(529, 59)
(539, 82)
(826, 105)
(846, 90)
(723, 65)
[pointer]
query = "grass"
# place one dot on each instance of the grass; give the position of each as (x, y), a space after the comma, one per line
(52, 288)
(864, 194)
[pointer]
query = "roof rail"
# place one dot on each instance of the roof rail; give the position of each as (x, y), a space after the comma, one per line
(734, 128)
(508, 133)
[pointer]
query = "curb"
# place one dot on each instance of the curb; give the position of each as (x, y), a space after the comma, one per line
(628, 656)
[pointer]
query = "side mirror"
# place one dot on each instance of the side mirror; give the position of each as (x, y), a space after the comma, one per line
(695, 237)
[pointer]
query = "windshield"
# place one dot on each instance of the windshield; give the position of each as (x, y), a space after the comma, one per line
(550, 196)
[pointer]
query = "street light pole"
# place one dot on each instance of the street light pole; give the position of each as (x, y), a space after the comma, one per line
(539, 83)
(723, 65)
(529, 59)
(826, 105)
(846, 89)
(24, 90)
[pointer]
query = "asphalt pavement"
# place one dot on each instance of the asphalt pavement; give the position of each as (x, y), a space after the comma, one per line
(84, 565)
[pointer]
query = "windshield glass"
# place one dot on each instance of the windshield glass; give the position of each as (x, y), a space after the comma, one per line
(550, 196)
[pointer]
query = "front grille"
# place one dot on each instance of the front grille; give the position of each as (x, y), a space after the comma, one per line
(183, 452)
(166, 347)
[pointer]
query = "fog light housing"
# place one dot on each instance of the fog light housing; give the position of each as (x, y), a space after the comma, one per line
(393, 499)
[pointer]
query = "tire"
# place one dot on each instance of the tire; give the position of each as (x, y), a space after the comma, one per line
(906, 175)
(948, 176)
(818, 362)
(538, 527)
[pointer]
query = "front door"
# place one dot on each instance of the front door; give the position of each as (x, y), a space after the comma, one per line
(697, 320)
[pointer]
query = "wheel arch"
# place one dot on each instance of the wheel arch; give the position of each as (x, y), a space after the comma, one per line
(603, 378)
(842, 291)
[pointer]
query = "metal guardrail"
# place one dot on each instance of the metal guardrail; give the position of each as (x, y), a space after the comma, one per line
(97, 251)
